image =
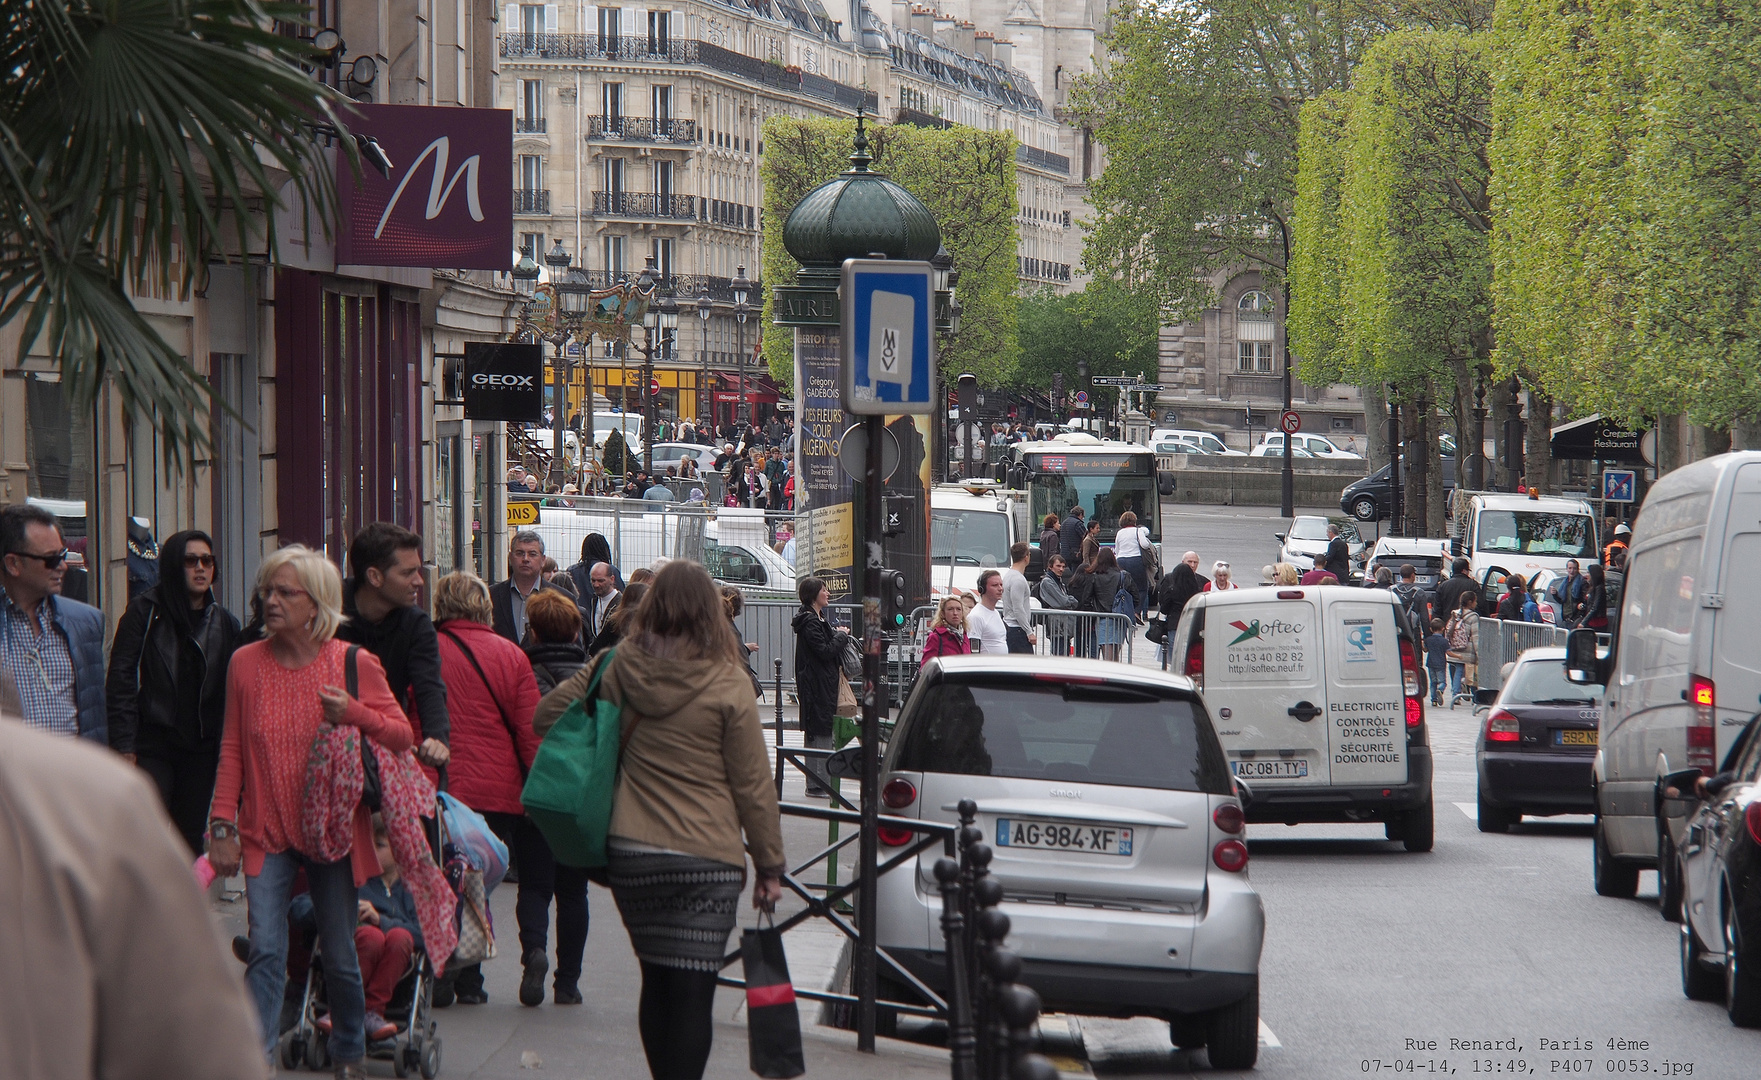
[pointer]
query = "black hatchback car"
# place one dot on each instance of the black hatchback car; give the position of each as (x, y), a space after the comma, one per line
(1534, 751)
(1719, 868)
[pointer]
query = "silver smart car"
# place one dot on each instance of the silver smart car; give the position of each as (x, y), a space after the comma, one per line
(1118, 834)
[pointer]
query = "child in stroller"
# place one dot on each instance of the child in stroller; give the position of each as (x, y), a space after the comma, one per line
(394, 970)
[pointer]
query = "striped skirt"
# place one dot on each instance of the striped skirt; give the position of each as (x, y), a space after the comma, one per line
(679, 909)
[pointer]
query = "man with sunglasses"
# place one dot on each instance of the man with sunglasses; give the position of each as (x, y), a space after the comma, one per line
(167, 685)
(52, 646)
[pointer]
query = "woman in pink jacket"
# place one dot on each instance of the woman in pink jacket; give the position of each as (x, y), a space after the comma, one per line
(947, 635)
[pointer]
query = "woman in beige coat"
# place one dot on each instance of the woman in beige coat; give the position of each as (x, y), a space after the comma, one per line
(695, 776)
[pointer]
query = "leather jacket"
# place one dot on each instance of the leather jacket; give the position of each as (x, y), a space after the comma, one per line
(142, 686)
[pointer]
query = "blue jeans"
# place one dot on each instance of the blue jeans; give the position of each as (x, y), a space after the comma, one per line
(1456, 672)
(334, 906)
(1437, 677)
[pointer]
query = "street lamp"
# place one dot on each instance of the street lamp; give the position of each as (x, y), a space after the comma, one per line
(704, 306)
(556, 262)
(663, 322)
(742, 289)
(526, 274)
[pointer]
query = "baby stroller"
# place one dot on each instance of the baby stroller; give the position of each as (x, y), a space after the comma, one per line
(414, 1048)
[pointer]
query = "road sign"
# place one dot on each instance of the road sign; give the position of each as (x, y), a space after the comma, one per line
(853, 451)
(1115, 380)
(1618, 485)
(653, 387)
(522, 512)
(1148, 387)
(1082, 397)
(888, 336)
(1290, 421)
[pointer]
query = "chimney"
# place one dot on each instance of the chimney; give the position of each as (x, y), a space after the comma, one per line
(945, 26)
(923, 22)
(963, 38)
(985, 41)
(1004, 53)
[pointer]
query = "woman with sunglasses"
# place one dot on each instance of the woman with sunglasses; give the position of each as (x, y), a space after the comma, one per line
(166, 690)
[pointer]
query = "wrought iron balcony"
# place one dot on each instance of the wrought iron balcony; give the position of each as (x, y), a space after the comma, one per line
(594, 47)
(686, 288)
(642, 129)
(642, 204)
(531, 200)
(529, 125)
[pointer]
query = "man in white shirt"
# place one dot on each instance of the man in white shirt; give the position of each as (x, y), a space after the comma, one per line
(984, 627)
(1016, 608)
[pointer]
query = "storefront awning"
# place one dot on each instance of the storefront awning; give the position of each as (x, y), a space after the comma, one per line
(1596, 439)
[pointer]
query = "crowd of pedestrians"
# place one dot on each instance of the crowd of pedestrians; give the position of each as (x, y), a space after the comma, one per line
(227, 723)
(756, 465)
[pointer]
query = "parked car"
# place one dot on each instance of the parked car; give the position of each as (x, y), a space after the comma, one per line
(1271, 444)
(1321, 703)
(1118, 837)
(1206, 441)
(1719, 867)
(1681, 676)
(1428, 558)
(671, 453)
(1534, 750)
(1180, 446)
(1372, 498)
(1307, 540)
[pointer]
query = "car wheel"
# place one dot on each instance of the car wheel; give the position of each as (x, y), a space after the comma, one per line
(1492, 819)
(1742, 985)
(1612, 877)
(1232, 1033)
(1188, 1032)
(1697, 983)
(1421, 827)
(1364, 508)
(1669, 876)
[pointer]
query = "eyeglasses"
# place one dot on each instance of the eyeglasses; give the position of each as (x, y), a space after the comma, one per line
(193, 560)
(1221, 566)
(50, 561)
(282, 592)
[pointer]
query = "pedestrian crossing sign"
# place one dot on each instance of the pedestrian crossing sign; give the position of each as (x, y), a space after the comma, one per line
(1618, 485)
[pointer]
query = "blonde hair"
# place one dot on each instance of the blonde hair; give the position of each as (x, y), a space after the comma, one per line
(941, 619)
(318, 576)
(462, 595)
(1286, 574)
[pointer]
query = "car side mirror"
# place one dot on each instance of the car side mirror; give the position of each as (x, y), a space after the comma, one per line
(1279, 537)
(1582, 665)
(1243, 792)
(1682, 782)
(1485, 695)
(1455, 545)
(1165, 484)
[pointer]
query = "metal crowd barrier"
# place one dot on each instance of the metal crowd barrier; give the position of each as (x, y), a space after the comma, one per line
(1502, 641)
(1081, 633)
(771, 625)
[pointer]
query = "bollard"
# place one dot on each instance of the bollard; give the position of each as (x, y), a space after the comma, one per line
(960, 1040)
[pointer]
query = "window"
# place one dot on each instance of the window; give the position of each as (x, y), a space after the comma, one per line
(663, 104)
(531, 173)
(533, 242)
(1254, 357)
(608, 29)
(614, 254)
(532, 19)
(611, 102)
(614, 174)
(659, 30)
(663, 178)
(531, 99)
(663, 256)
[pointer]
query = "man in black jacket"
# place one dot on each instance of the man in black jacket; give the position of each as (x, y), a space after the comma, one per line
(819, 651)
(385, 567)
(525, 577)
(1448, 596)
(166, 687)
(1070, 536)
(1338, 560)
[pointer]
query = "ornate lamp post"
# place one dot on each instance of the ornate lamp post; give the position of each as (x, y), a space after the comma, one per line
(705, 409)
(742, 289)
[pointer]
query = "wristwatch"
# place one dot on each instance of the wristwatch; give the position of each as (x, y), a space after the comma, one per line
(221, 829)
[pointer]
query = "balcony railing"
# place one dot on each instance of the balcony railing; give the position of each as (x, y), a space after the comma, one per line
(529, 125)
(642, 129)
(531, 201)
(733, 215)
(594, 47)
(686, 287)
(643, 204)
(1045, 159)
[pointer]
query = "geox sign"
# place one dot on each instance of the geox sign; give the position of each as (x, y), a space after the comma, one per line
(447, 200)
(504, 382)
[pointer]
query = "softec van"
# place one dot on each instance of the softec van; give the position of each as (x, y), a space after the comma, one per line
(1319, 702)
(1684, 674)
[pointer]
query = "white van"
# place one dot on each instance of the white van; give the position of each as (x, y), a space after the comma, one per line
(972, 526)
(1522, 534)
(732, 546)
(1684, 674)
(1319, 702)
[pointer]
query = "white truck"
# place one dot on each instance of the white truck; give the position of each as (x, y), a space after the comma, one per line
(733, 545)
(972, 525)
(1521, 534)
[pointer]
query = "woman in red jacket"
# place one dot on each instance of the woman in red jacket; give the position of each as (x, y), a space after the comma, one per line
(947, 635)
(278, 692)
(490, 693)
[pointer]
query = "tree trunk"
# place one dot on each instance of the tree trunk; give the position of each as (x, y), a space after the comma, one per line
(1499, 476)
(1418, 462)
(1375, 424)
(1745, 434)
(1538, 451)
(1669, 443)
(1708, 442)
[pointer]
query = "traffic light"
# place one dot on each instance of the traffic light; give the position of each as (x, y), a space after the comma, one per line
(893, 602)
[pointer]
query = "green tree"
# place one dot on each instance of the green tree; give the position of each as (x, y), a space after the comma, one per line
(129, 128)
(1107, 325)
(967, 179)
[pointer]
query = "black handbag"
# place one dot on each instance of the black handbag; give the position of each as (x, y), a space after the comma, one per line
(773, 1024)
(1157, 631)
(371, 792)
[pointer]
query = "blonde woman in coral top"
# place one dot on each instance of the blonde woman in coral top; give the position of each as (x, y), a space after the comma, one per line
(278, 692)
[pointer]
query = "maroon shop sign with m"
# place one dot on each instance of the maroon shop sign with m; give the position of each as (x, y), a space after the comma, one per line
(448, 202)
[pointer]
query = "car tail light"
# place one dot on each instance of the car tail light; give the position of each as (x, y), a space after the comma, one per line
(1290, 594)
(1229, 817)
(1194, 668)
(1409, 684)
(1230, 855)
(1752, 818)
(1702, 733)
(891, 837)
(898, 794)
(1501, 726)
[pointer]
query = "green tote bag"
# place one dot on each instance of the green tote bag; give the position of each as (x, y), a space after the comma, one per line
(569, 789)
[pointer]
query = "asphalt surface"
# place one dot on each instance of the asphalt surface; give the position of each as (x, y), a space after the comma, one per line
(1377, 962)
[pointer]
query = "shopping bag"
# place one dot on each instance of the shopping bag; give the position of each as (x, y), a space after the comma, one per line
(773, 1026)
(470, 833)
(568, 792)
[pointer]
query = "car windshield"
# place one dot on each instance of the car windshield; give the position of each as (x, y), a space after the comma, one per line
(969, 537)
(1077, 732)
(1543, 682)
(1308, 528)
(1535, 532)
(1423, 565)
